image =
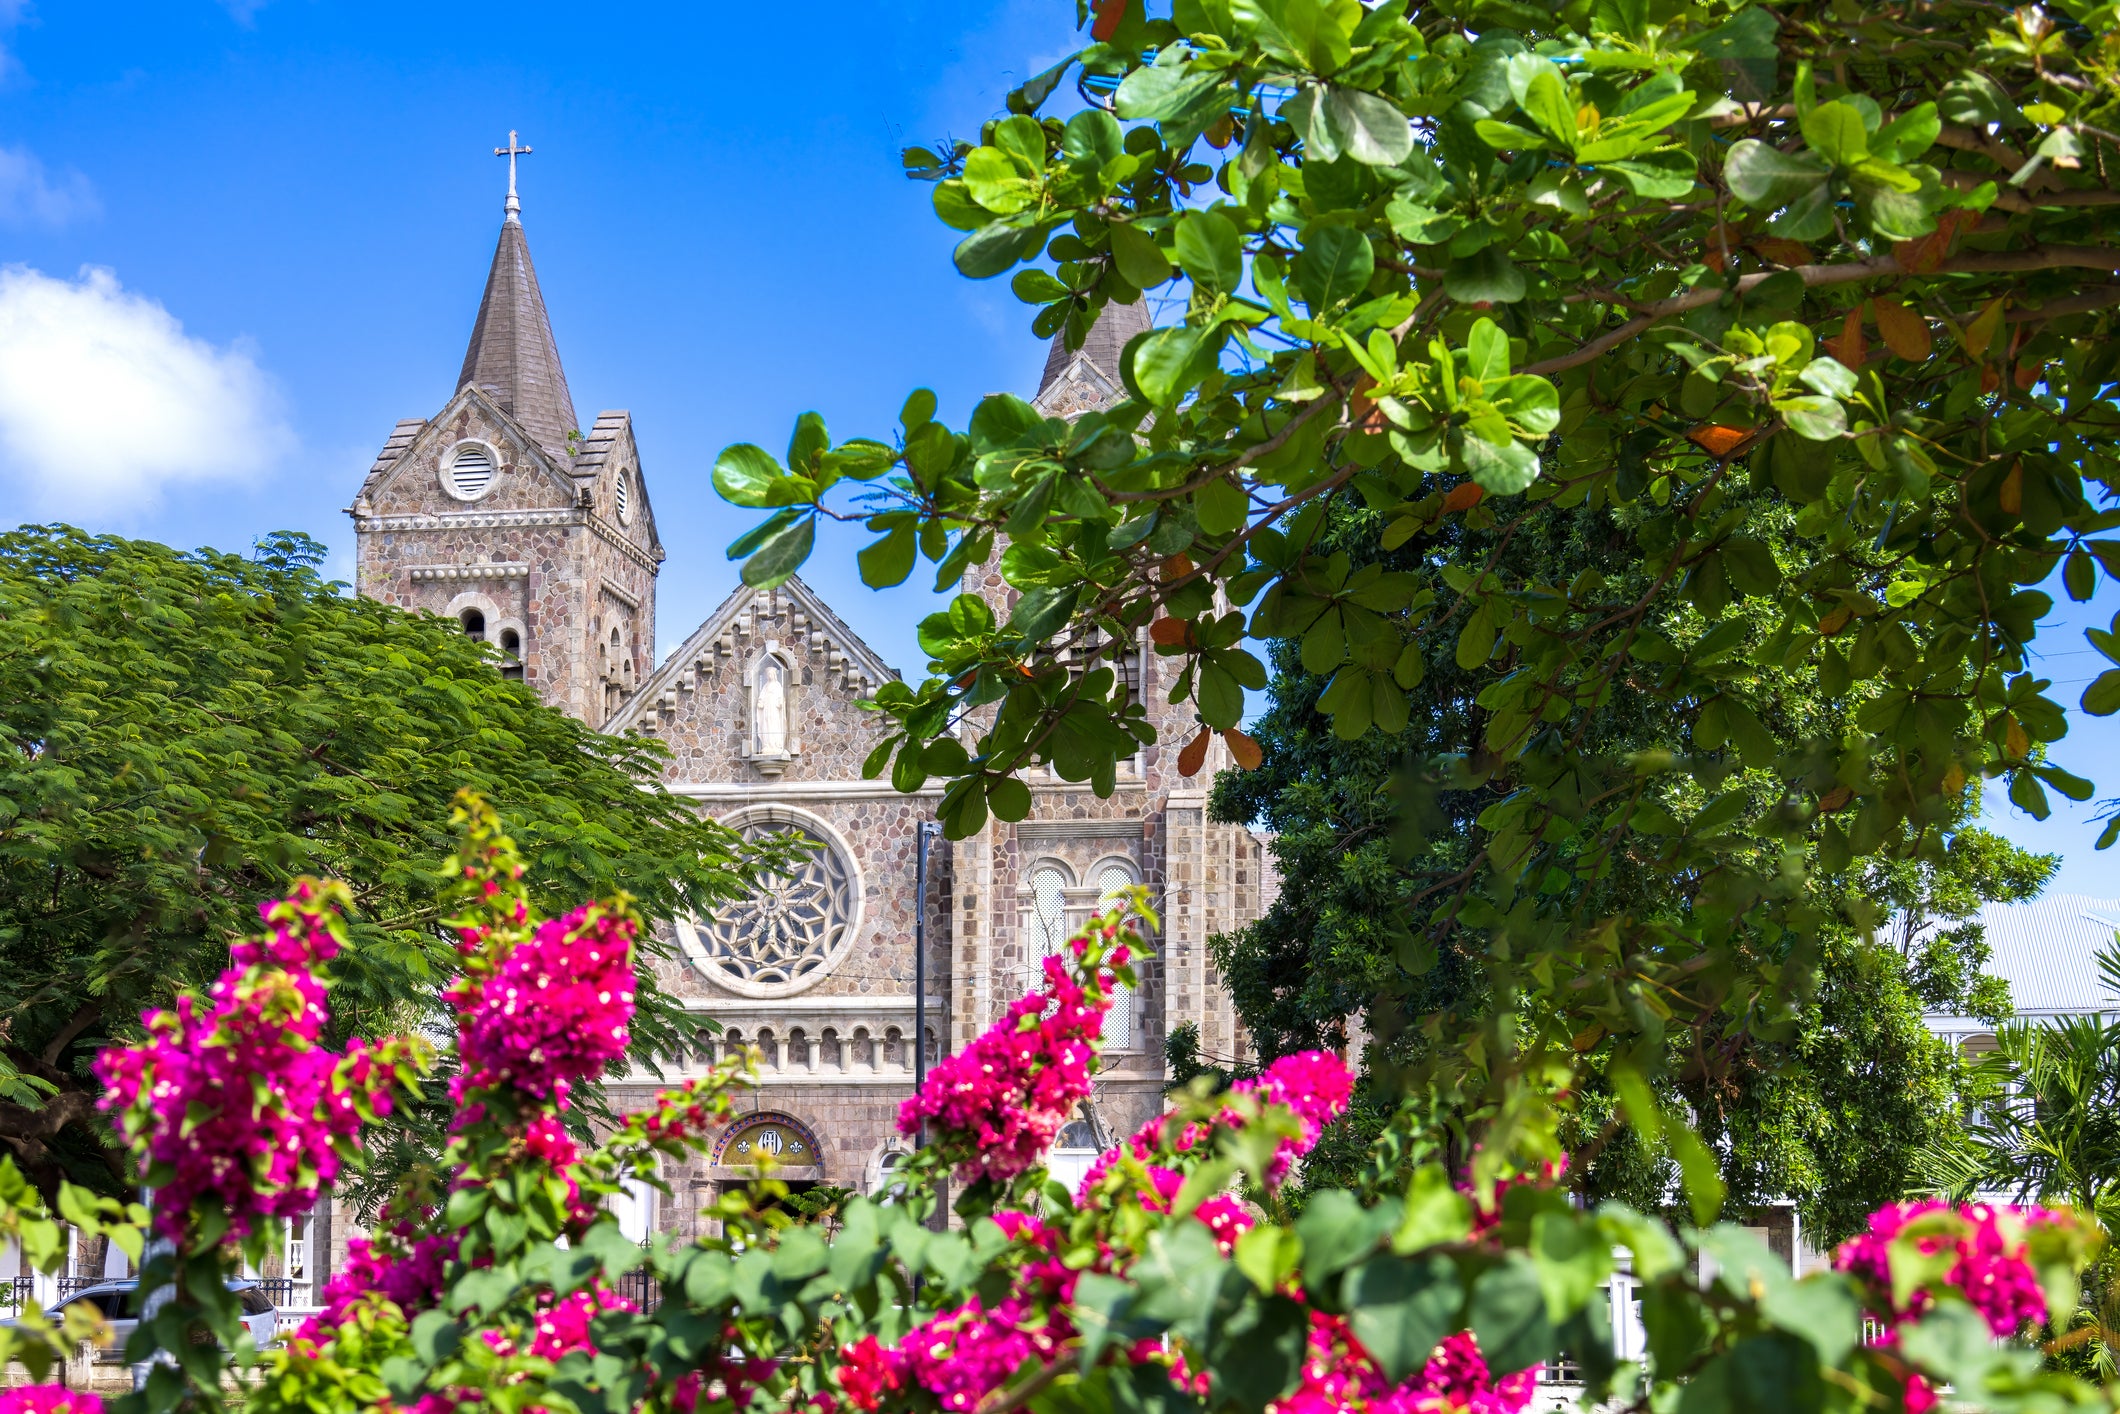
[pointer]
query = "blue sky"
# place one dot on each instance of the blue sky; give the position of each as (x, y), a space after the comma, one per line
(241, 239)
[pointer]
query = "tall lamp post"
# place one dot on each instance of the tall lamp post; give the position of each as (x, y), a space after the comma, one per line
(929, 829)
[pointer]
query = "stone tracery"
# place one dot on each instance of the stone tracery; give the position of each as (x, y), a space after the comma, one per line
(791, 930)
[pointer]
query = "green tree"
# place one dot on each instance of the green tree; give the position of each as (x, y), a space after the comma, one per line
(1828, 1114)
(1839, 272)
(187, 733)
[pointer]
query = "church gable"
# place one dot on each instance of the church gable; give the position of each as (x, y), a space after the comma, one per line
(607, 469)
(766, 689)
(471, 457)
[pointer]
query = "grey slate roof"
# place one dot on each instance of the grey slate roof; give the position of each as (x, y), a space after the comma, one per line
(595, 448)
(1106, 340)
(400, 438)
(512, 358)
(2045, 950)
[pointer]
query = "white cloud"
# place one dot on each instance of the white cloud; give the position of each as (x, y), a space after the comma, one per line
(105, 402)
(30, 197)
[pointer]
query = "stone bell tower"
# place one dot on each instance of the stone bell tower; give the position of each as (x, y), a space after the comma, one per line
(502, 513)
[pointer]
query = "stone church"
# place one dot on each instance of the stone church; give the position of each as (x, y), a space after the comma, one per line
(540, 537)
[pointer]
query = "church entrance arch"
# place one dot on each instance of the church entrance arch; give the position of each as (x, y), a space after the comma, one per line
(768, 1144)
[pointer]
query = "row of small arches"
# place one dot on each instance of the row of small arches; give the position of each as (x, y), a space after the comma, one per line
(828, 1049)
(510, 644)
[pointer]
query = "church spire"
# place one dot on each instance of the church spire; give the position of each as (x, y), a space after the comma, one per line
(1079, 380)
(512, 358)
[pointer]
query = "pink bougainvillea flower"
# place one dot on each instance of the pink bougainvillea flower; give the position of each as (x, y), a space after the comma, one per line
(49, 1399)
(1991, 1269)
(995, 1107)
(231, 1101)
(1339, 1376)
(555, 1011)
(1316, 1085)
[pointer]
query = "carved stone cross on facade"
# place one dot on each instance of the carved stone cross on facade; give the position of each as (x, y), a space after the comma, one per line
(512, 151)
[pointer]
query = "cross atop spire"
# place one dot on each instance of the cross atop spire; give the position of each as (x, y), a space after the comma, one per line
(512, 151)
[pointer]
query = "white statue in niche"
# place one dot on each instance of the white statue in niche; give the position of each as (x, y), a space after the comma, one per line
(771, 709)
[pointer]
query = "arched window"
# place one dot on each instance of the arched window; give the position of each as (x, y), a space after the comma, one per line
(1074, 1153)
(1050, 882)
(1113, 877)
(474, 621)
(512, 652)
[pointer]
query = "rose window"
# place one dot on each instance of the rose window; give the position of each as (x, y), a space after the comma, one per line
(792, 928)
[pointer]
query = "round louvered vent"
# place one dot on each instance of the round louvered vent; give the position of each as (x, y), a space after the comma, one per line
(471, 472)
(625, 497)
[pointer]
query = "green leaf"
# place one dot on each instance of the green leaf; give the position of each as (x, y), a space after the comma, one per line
(745, 475)
(1487, 352)
(1830, 377)
(1161, 93)
(1764, 176)
(1210, 251)
(1171, 361)
(1262, 1353)
(1475, 642)
(1501, 470)
(1572, 1259)
(1402, 1308)
(993, 248)
(1656, 176)
(1139, 259)
(2102, 697)
(1221, 507)
(889, 560)
(1545, 101)
(1698, 1173)
(1367, 128)
(1530, 402)
(1337, 1232)
(1333, 266)
(1487, 276)
(1818, 419)
(1040, 613)
(1435, 1211)
(1835, 132)
(1008, 797)
(1508, 1315)
(782, 553)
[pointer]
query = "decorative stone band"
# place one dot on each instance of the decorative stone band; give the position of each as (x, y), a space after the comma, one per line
(493, 520)
(1062, 830)
(500, 569)
(619, 592)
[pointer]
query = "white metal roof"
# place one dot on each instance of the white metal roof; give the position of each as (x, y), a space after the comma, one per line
(2045, 949)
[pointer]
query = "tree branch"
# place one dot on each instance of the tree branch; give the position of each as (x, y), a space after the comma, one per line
(75, 1025)
(2059, 257)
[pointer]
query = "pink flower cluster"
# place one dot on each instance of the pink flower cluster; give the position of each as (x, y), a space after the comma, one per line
(230, 1099)
(562, 1323)
(1315, 1084)
(729, 1376)
(1992, 1269)
(1340, 1377)
(555, 1010)
(996, 1106)
(403, 1269)
(959, 1357)
(49, 1399)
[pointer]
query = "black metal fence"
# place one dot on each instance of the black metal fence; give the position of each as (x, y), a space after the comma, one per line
(640, 1287)
(279, 1290)
(17, 1293)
